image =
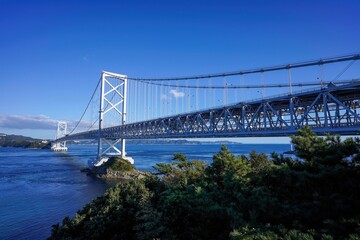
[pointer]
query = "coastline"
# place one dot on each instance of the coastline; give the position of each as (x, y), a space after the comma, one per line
(116, 169)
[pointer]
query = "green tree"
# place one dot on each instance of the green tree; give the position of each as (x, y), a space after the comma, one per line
(315, 196)
(181, 170)
(112, 216)
(329, 150)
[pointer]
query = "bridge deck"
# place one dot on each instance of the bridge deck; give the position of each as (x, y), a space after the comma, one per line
(332, 109)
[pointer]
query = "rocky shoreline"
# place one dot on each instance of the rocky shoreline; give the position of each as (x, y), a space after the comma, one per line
(107, 173)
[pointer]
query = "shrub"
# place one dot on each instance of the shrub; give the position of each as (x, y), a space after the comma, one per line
(119, 164)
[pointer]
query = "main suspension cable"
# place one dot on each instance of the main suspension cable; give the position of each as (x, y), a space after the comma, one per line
(344, 70)
(259, 70)
(87, 106)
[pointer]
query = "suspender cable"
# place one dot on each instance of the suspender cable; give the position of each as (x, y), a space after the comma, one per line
(204, 97)
(144, 102)
(321, 69)
(176, 98)
(211, 98)
(183, 101)
(275, 85)
(132, 96)
(242, 97)
(148, 101)
(224, 92)
(128, 103)
(188, 97)
(167, 100)
(152, 101)
(236, 94)
(290, 80)
(136, 101)
(161, 101)
(197, 95)
(156, 102)
(263, 85)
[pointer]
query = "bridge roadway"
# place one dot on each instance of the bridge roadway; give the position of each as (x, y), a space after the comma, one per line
(331, 109)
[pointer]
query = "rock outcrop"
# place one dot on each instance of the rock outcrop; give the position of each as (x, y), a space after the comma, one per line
(116, 168)
(123, 175)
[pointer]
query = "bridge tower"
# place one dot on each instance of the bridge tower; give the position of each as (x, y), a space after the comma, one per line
(114, 95)
(61, 132)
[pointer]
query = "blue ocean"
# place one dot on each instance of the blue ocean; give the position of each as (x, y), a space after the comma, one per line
(38, 188)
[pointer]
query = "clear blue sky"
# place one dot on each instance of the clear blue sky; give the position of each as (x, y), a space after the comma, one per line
(52, 52)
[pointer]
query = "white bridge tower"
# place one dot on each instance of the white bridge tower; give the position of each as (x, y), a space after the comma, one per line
(61, 132)
(114, 95)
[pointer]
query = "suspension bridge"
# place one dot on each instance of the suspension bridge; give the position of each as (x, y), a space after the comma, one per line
(264, 102)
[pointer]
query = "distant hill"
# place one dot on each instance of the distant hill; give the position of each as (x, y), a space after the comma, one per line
(176, 141)
(28, 142)
(23, 142)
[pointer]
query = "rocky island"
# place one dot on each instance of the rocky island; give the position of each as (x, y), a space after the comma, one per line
(116, 168)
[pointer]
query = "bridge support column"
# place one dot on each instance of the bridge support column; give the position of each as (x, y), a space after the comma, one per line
(123, 155)
(61, 132)
(115, 96)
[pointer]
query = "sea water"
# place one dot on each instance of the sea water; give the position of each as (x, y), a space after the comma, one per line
(38, 188)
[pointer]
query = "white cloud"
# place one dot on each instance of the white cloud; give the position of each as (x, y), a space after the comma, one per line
(176, 93)
(27, 122)
(163, 96)
(38, 122)
(39, 126)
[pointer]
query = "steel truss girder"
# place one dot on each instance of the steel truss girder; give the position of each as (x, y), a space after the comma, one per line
(327, 110)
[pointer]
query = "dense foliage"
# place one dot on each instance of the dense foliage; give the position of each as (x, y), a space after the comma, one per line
(19, 141)
(236, 197)
(119, 164)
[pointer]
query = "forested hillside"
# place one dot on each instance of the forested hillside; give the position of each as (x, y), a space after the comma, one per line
(22, 141)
